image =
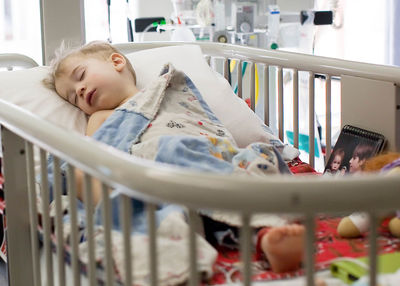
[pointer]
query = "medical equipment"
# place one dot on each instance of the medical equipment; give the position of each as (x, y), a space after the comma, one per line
(243, 15)
(257, 23)
(262, 23)
(274, 15)
(204, 13)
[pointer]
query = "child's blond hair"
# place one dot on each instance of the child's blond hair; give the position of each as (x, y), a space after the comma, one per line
(99, 49)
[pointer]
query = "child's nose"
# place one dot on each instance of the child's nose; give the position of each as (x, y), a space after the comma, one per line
(80, 91)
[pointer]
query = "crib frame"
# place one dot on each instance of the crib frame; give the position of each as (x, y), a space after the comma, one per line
(21, 131)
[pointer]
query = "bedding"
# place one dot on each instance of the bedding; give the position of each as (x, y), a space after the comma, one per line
(245, 126)
(329, 246)
(170, 122)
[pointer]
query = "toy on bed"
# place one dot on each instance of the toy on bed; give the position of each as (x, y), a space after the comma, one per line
(357, 223)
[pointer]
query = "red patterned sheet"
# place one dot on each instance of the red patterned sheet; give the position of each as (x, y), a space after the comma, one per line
(328, 246)
(3, 228)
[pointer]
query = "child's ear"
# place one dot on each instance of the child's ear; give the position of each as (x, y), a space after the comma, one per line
(118, 61)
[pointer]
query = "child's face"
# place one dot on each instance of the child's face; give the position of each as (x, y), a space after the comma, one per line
(355, 164)
(92, 84)
(337, 161)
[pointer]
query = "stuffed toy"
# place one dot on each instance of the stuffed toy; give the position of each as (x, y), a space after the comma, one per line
(357, 223)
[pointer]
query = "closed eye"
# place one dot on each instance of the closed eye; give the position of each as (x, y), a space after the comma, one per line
(82, 75)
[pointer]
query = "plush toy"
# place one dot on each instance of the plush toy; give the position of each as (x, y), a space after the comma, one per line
(357, 223)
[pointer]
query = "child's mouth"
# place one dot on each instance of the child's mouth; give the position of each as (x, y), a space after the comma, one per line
(89, 97)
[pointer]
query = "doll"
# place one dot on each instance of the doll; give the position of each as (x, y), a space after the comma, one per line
(357, 223)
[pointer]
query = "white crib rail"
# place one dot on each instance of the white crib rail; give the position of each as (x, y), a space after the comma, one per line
(154, 183)
(297, 194)
(12, 61)
(318, 64)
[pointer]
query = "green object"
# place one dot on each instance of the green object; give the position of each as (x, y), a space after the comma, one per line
(162, 22)
(303, 142)
(274, 46)
(244, 66)
(350, 270)
(347, 271)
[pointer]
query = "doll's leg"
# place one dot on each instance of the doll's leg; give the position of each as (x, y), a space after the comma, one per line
(394, 226)
(283, 246)
(347, 229)
(353, 225)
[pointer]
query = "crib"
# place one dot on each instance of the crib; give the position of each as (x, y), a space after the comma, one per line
(369, 98)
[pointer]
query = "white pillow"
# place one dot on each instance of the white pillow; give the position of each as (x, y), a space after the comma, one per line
(25, 89)
(233, 112)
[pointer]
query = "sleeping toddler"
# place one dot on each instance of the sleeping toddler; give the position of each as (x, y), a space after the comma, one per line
(167, 122)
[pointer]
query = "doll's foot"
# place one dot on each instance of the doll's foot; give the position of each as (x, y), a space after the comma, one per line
(394, 226)
(347, 229)
(284, 247)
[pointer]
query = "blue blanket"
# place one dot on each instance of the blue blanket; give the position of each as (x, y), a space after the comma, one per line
(169, 122)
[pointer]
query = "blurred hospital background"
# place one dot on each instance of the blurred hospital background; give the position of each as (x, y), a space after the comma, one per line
(361, 30)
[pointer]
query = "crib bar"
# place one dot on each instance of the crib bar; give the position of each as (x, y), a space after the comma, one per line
(225, 68)
(266, 95)
(252, 86)
(373, 248)
(59, 222)
(328, 126)
(194, 279)
(208, 59)
(10, 61)
(296, 108)
(280, 104)
(33, 218)
(245, 248)
(18, 232)
(74, 240)
(89, 227)
(309, 224)
(151, 222)
(107, 235)
(240, 79)
(46, 218)
(311, 118)
(125, 215)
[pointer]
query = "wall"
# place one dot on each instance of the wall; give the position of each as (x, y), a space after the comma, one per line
(363, 34)
(61, 21)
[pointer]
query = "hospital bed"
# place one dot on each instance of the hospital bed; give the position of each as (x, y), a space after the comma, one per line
(36, 246)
